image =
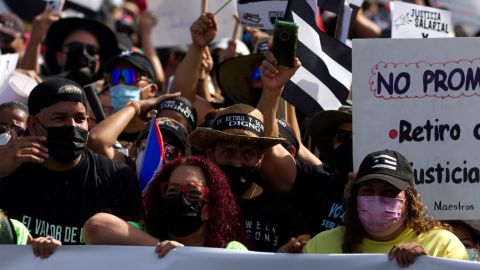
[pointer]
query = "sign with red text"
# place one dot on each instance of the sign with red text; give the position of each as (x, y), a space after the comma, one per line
(414, 21)
(421, 97)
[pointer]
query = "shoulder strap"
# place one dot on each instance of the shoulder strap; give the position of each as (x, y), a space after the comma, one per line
(7, 231)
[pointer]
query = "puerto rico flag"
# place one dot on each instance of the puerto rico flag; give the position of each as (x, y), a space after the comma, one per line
(153, 157)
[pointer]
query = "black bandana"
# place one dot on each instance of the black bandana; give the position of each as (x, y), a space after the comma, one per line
(240, 121)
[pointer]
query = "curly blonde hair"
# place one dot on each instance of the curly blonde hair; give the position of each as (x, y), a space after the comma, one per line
(415, 219)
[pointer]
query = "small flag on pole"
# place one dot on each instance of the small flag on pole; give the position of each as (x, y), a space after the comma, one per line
(154, 155)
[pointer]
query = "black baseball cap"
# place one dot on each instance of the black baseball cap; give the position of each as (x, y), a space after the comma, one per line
(168, 127)
(52, 91)
(136, 59)
(387, 165)
(11, 24)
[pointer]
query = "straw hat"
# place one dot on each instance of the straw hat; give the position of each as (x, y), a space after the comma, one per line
(233, 75)
(238, 123)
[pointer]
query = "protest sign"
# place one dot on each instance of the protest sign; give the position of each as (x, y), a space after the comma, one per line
(421, 98)
(93, 5)
(464, 12)
(175, 18)
(414, 21)
(8, 63)
(127, 258)
(260, 13)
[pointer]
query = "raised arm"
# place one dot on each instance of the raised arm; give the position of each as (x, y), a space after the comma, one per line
(203, 31)
(278, 166)
(302, 152)
(40, 27)
(146, 23)
(102, 138)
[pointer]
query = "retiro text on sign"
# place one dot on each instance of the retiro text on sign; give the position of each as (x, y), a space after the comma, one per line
(422, 98)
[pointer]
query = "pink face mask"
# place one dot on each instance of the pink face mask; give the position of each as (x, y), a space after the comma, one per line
(380, 216)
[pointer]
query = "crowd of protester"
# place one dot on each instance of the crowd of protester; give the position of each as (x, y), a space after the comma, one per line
(234, 175)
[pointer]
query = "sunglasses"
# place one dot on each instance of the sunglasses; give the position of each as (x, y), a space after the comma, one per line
(192, 192)
(18, 130)
(80, 47)
(129, 76)
(256, 74)
(7, 38)
(342, 135)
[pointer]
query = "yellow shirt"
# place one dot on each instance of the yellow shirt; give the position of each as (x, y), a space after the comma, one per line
(438, 243)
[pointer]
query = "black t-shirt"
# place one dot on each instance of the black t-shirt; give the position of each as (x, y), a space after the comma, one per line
(57, 203)
(318, 195)
(270, 223)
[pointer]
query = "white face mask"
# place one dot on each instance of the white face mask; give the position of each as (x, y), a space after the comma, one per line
(4, 138)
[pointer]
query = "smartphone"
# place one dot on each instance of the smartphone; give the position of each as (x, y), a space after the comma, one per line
(54, 5)
(285, 36)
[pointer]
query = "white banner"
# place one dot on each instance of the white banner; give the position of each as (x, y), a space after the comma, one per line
(463, 12)
(188, 258)
(8, 63)
(261, 14)
(174, 19)
(414, 21)
(421, 98)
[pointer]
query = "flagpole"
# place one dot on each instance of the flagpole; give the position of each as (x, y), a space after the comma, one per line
(204, 6)
(345, 14)
(338, 27)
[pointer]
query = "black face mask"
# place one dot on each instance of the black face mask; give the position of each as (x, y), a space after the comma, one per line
(181, 217)
(240, 178)
(343, 158)
(7, 50)
(80, 61)
(257, 94)
(66, 143)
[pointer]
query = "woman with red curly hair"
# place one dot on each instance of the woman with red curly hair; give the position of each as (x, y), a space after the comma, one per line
(188, 203)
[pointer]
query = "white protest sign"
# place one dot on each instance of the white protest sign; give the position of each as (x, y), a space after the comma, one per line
(261, 14)
(464, 12)
(90, 4)
(174, 19)
(188, 258)
(421, 98)
(414, 21)
(8, 63)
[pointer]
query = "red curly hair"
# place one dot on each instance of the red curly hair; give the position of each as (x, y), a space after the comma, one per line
(224, 224)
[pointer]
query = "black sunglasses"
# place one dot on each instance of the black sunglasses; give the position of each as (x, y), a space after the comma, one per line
(78, 46)
(342, 135)
(7, 38)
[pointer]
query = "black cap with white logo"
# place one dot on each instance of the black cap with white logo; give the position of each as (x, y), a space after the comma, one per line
(387, 165)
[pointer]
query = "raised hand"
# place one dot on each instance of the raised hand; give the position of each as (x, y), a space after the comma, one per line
(273, 76)
(146, 105)
(204, 30)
